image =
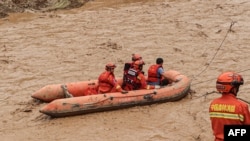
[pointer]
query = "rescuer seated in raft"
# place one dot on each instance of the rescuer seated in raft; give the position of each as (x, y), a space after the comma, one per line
(135, 79)
(127, 66)
(107, 81)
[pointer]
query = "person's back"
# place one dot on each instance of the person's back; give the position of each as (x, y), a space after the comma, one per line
(131, 81)
(135, 79)
(129, 65)
(104, 82)
(107, 82)
(228, 110)
(156, 73)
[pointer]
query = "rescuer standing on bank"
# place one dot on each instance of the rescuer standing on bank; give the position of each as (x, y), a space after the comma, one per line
(228, 110)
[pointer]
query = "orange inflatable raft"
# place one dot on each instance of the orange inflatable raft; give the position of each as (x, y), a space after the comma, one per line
(82, 103)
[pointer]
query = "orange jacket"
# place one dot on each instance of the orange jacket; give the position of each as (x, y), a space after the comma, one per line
(108, 83)
(227, 110)
(153, 73)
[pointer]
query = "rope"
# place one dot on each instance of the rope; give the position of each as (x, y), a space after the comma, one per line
(244, 100)
(212, 92)
(228, 31)
(207, 93)
(216, 77)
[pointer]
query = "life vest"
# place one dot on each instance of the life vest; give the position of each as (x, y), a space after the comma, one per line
(131, 80)
(153, 73)
(104, 84)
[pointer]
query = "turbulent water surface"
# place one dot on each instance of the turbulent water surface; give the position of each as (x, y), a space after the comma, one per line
(194, 37)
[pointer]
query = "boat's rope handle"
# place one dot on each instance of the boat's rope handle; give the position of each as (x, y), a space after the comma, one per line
(65, 91)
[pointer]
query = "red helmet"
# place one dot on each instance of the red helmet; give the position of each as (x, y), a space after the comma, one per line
(228, 80)
(110, 65)
(138, 64)
(136, 57)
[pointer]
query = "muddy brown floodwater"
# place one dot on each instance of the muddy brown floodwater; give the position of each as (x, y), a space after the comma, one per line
(41, 48)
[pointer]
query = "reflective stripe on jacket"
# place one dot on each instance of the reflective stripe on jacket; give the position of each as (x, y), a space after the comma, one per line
(131, 80)
(135, 80)
(227, 110)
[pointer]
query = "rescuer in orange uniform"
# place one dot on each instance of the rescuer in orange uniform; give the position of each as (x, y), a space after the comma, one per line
(127, 66)
(135, 79)
(228, 110)
(107, 81)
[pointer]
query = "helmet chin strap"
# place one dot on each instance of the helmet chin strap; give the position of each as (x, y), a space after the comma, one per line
(235, 90)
